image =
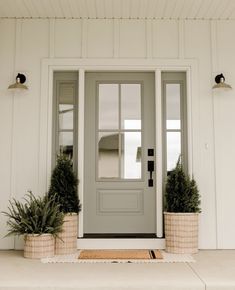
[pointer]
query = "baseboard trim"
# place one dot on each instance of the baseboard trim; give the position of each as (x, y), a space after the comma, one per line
(84, 243)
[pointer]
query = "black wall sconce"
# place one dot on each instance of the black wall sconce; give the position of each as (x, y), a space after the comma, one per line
(220, 83)
(19, 84)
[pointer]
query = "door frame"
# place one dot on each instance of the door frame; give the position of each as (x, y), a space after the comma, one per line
(49, 65)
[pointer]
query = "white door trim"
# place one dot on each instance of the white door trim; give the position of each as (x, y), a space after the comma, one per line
(158, 157)
(50, 65)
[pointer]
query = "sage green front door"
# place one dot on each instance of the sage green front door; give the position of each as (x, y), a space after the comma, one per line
(119, 189)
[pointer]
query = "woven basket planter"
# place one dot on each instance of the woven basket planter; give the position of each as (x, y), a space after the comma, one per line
(66, 242)
(181, 232)
(39, 246)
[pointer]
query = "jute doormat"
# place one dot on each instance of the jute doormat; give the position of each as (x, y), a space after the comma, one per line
(120, 254)
(167, 258)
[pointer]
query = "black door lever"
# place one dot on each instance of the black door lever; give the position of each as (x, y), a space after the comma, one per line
(150, 169)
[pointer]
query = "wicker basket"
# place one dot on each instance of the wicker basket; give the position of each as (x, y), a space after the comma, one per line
(181, 232)
(39, 246)
(66, 243)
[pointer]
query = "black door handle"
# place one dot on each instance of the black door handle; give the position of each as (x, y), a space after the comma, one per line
(150, 169)
(150, 166)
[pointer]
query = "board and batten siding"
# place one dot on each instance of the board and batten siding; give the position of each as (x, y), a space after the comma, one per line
(24, 43)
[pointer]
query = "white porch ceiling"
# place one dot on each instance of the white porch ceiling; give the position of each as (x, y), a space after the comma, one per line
(119, 9)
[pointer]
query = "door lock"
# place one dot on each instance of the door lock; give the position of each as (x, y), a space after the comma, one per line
(150, 169)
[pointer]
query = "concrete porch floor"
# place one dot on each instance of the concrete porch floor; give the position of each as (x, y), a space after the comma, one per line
(213, 270)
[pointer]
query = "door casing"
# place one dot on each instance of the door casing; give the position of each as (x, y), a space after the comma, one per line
(158, 66)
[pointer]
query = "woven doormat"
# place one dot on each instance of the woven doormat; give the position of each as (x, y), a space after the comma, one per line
(120, 254)
(162, 258)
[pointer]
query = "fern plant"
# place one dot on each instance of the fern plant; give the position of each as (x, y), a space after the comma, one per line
(64, 185)
(181, 193)
(36, 215)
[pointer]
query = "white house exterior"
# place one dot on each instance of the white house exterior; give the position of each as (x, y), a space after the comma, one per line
(202, 47)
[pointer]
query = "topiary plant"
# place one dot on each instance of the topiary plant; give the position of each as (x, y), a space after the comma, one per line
(181, 192)
(37, 215)
(64, 186)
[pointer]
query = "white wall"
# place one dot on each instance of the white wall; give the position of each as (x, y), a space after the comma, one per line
(24, 43)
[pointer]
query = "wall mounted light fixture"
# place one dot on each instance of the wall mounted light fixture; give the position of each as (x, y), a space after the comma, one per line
(220, 83)
(19, 84)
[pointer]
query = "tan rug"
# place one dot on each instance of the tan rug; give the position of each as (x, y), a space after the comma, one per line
(120, 254)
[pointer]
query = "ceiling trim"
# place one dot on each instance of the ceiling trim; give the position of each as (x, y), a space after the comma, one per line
(118, 9)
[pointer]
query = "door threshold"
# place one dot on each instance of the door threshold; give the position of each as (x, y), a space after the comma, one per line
(120, 236)
(120, 243)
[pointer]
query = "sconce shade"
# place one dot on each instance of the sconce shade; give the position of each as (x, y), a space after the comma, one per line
(19, 84)
(220, 83)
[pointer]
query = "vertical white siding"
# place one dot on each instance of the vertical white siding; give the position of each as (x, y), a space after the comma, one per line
(198, 45)
(100, 38)
(21, 51)
(165, 39)
(7, 51)
(224, 114)
(67, 38)
(132, 38)
(25, 44)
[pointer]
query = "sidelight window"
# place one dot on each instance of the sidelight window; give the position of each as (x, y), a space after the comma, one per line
(174, 120)
(65, 115)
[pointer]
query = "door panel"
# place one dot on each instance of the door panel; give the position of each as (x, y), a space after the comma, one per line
(119, 129)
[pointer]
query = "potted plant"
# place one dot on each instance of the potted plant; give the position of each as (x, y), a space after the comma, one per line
(182, 205)
(64, 187)
(39, 220)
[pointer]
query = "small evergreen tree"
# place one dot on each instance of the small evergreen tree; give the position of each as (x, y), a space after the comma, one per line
(181, 192)
(64, 185)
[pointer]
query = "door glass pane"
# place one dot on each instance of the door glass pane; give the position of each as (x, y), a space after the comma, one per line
(173, 149)
(131, 106)
(66, 143)
(65, 116)
(108, 155)
(131, 155)
(173, 106)
(108, 106)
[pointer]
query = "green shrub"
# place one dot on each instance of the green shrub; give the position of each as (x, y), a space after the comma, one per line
(37, 215)
(64, 185)
(181, 193)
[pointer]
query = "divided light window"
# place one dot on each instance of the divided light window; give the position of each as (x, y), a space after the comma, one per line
(119, 131)
(174, 119)
(65, 115)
